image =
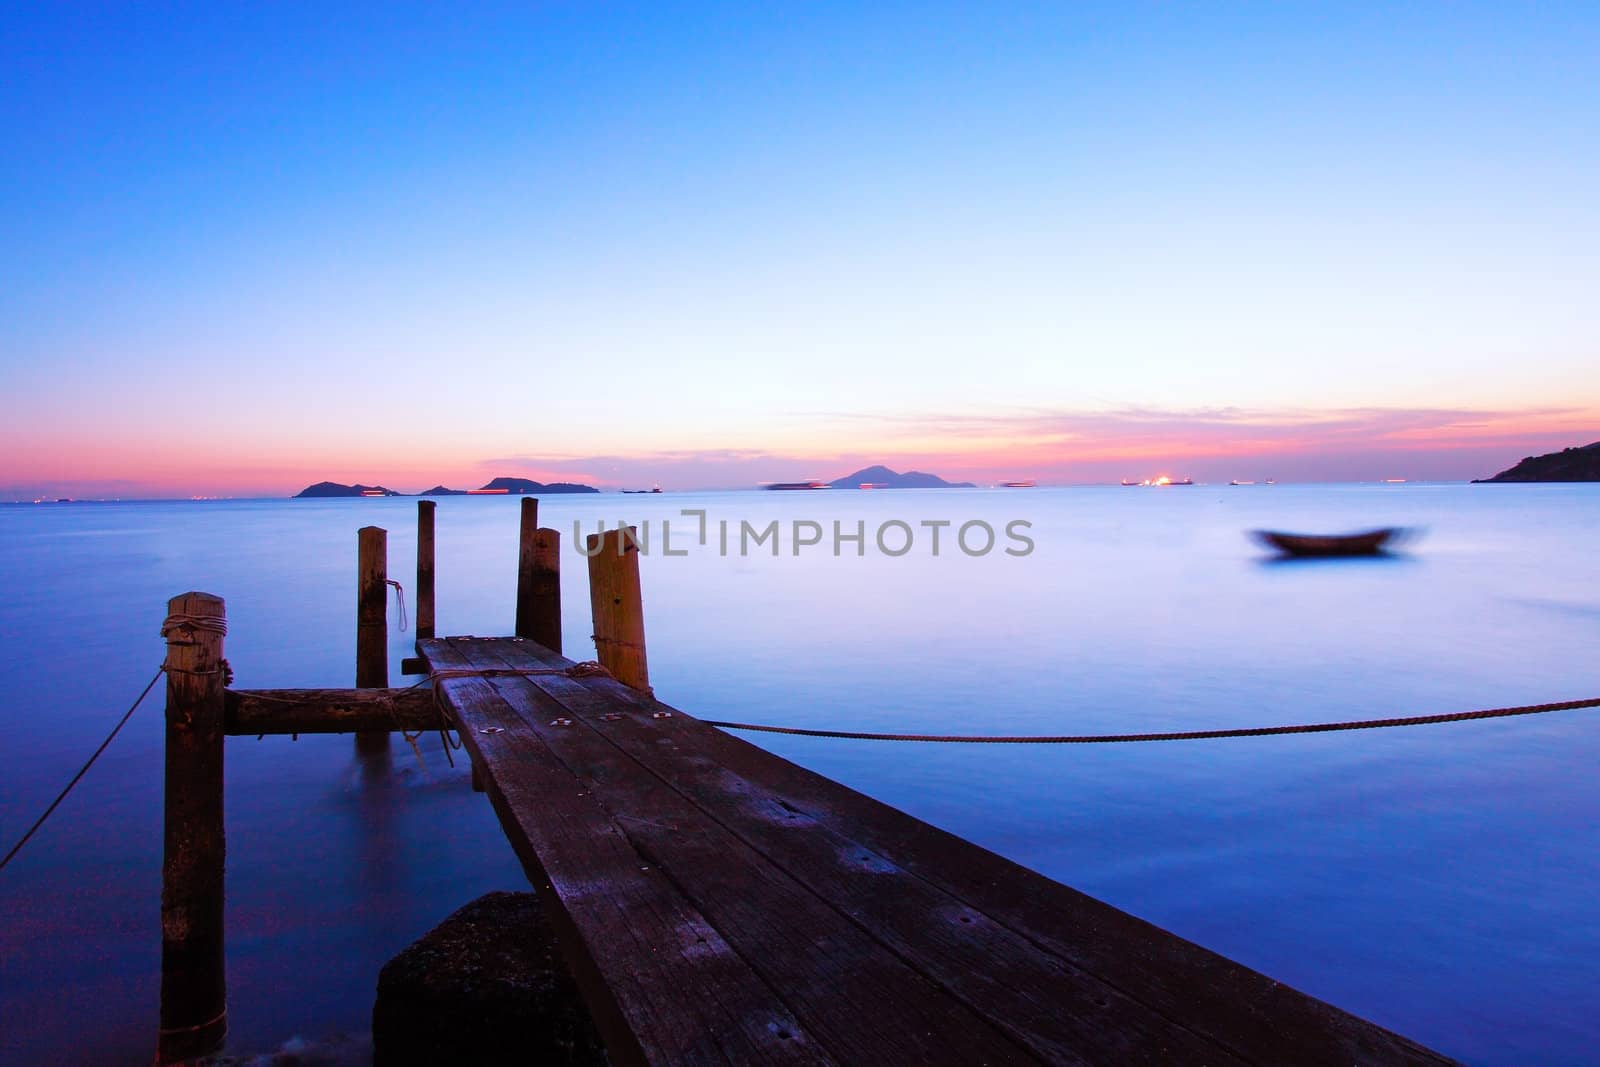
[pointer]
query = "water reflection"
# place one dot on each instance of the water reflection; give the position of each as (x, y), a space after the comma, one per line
(1438, 880)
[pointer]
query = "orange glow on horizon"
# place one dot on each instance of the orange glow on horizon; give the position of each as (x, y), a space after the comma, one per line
(983, 449)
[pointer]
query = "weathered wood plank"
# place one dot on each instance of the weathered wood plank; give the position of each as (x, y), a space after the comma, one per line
(251, 712)
(1061, 1013)
(839, 978)
(661, 982)
(1241, 1010)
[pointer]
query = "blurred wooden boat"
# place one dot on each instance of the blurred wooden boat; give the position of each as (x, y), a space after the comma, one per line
(1367, 543)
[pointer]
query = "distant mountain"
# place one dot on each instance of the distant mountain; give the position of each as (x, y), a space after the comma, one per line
(521, 486)
(1568, 465)
(881, 477)
(440, 490)
(325, 489)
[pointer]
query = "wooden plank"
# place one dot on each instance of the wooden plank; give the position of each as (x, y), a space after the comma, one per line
(252, 712)
(1062, 1014)
(862, 1001)
(661, 982)
(1241, 1010)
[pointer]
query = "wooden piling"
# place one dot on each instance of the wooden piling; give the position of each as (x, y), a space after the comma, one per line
(527, 538)
(539, 591)
(194, 1005)
(425, 509)
(372, 623)
(616, 605)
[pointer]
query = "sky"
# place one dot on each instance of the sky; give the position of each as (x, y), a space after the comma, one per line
(243, 249)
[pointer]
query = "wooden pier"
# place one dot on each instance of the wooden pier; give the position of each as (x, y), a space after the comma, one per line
(718, 904)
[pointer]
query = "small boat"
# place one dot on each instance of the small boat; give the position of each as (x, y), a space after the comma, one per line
(1016, 485)
(1367, 543)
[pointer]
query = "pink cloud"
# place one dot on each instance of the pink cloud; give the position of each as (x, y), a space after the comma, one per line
(1059, 446)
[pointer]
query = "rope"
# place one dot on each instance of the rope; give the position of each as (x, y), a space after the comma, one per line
(216, 624)
(1184, 735)
(214, 1020)
(84, 769)
(400, 596)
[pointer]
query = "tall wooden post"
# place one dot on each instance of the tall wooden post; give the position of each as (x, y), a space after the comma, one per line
(527, 536)
(194, 999)
(539, 591)
(425, 510)
(372, 623)
(616, 605)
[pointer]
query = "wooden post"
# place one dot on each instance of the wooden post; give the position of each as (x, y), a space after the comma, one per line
(194, 996)
(539, 592)
(425, 568)
(527, 535)
(372, 623)
(617, 608)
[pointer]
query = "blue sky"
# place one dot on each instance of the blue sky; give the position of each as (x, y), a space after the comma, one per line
(713, 245)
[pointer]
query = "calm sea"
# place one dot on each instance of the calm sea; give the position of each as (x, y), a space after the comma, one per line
(1438, 880)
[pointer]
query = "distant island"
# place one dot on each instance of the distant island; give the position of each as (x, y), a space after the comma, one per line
(878, 477)
(1568, 465)
(521, 486)
(323, 489)
(508, 486)
(881, 477)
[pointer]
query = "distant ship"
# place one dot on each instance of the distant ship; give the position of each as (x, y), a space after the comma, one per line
(1016, 485)
(1163, 480)
(799, 485)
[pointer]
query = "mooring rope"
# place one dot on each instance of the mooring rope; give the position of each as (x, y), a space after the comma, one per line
(84, 769)
(400, 598)
(217, 624)
(1179, 735)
